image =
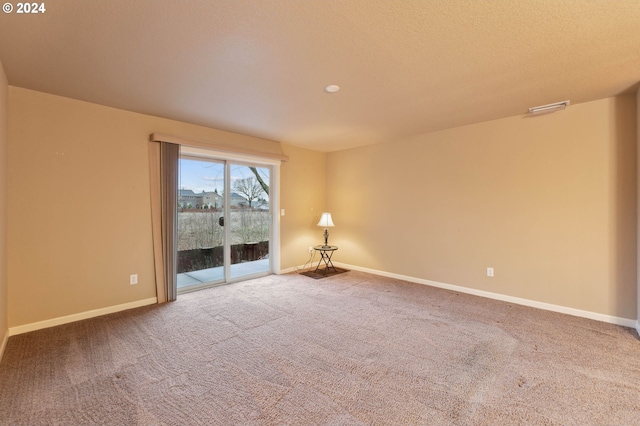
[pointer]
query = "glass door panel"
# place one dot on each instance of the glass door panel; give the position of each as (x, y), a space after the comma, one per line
(250, 220)
(201, 234)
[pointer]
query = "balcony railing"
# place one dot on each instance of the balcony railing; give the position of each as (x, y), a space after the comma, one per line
(212, 257)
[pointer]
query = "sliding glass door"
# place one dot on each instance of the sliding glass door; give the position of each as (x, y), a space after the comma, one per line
(250, 220)
(201, 235)
(224, 221)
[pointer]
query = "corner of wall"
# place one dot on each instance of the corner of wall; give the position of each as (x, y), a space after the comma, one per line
(638, 208)
(4, 328)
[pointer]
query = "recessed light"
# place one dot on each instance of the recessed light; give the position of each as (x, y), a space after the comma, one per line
(332, 88)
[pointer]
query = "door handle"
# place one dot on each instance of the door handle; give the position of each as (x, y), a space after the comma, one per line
(221, 221)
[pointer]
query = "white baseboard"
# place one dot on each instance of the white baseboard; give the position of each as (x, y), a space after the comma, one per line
(79, 316)
(3, 344)
(497, 296)
(638, 326)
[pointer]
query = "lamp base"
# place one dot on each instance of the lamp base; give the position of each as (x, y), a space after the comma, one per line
(326, 238)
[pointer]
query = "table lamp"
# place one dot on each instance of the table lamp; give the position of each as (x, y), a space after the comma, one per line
(326, 222)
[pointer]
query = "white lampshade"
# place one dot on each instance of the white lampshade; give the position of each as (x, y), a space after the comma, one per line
(325, 221)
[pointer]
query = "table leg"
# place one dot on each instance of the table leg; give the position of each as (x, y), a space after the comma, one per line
(325, 257)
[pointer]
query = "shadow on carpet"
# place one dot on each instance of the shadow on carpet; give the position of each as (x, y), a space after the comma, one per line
(324, 273)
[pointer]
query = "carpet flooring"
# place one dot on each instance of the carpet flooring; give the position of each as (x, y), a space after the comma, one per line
(351, 349)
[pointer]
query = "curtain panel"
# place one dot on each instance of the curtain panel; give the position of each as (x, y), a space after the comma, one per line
(163, 167)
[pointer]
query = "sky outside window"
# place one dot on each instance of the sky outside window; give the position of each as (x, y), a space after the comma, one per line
(199, 175)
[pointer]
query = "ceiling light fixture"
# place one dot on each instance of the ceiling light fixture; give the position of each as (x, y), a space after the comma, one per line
(332, 88)
(543, 109)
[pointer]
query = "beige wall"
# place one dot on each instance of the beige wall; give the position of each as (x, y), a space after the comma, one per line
(4, 89)
(80, 224)
(638, 205)
(548, 201)
(303, 198)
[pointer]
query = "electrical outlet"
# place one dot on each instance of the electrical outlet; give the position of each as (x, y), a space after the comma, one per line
(310, 249)
(489, 272)
(133, 279)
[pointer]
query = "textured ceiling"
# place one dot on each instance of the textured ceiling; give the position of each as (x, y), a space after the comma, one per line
(259, 67)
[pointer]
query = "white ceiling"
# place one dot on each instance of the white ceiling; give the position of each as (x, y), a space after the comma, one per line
(259, 67)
